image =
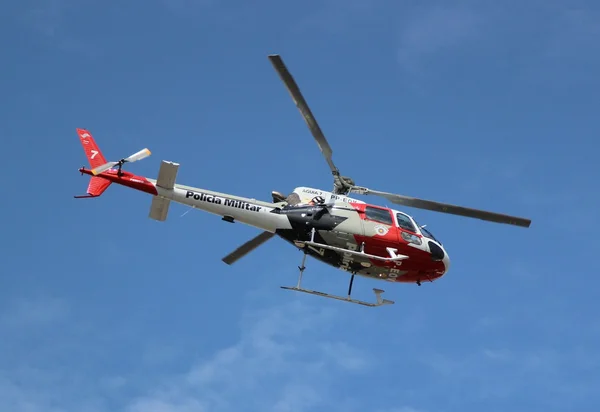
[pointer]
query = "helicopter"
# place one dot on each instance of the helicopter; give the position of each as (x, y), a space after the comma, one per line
(330, 226)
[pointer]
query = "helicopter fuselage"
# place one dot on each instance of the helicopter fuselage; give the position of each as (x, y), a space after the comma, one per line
(343, 232)
(351, 225)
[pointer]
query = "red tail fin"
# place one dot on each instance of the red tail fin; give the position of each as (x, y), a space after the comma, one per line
(95, 157)
(93, 153)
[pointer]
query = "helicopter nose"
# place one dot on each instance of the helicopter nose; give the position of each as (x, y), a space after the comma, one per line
(439, 254)
(446, 262)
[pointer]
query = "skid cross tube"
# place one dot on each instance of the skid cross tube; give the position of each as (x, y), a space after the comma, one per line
(298, 288)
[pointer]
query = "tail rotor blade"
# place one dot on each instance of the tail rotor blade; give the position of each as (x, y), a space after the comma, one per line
(142, 154)
(104, 167)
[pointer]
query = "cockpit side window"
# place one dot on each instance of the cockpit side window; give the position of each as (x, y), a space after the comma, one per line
(405, 222)
(379, 215)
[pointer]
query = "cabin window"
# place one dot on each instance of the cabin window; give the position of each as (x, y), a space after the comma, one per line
(379, 215)
(405, 222)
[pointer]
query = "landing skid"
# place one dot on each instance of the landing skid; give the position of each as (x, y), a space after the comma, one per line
(298, 288)
(378, 292)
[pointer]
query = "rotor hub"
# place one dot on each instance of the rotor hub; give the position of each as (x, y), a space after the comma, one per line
(342, 185)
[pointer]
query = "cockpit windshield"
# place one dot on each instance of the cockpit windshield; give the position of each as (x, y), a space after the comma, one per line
(427, 233)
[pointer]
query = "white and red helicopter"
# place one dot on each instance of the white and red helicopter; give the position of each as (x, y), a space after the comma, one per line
(363, 239)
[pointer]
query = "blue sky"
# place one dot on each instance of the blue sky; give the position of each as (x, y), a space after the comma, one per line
(492, 105)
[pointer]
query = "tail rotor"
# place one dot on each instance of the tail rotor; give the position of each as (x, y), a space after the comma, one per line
(98, 164)
(142, 154)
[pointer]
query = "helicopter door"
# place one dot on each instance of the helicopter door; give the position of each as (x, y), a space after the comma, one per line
(379, 229)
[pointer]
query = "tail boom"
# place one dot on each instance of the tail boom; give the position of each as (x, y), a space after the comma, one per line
(252, 212)
(262, 215)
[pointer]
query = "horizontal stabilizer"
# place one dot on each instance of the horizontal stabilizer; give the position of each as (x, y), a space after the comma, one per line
(167, 174)
(159, 209)
(96, 187)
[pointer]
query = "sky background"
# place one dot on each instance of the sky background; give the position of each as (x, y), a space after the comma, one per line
(486, 104)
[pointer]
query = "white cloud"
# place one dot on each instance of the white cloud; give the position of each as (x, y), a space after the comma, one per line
(32, 389)
(504, 374)
(497, 354)
(345, 356)
(284, 360)
(280, 364)
(297, 397)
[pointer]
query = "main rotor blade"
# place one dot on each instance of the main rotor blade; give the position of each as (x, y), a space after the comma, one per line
(247, 247)
(310, 120)
(446, 208)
